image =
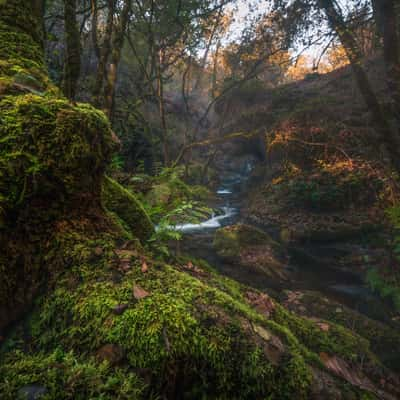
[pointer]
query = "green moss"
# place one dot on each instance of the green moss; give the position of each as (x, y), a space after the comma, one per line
(52, 157)
(50, 147)
(230, 240)
(67, 376)
(386, 287)
(124, 204)
(381, 337)
(184, 324)
(195, 331)
(338, 340)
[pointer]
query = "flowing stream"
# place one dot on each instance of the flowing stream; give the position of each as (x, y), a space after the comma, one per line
(342, 287)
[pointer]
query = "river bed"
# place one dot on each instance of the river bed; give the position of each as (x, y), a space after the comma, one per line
(340, 287)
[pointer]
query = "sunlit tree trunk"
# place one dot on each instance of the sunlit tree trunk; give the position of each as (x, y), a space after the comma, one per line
(72, 66)
(117, 45)
(105, 51)
(215, 72)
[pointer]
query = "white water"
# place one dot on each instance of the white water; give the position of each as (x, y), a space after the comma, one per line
(224, 191)
(213, 223)
(217, 221)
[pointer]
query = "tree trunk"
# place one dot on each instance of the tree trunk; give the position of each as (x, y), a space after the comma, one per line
(391, 53)
(376, 10)
(388, 137)
(117, 45)
(105, 51)
(161, 105)
(72, 66)
(94, 12)
(38, 7)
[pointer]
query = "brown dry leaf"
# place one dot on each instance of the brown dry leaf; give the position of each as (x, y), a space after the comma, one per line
(139, 292)
(323, 326)
(261, 302)
(145, 267)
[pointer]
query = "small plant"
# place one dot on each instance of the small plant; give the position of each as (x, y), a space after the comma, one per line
(386, 282)
(386, 287)
(165, 231)
(117, 163)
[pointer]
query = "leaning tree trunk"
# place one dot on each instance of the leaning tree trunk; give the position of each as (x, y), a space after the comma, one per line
(52, 159)
(72, 66)
(388, 136)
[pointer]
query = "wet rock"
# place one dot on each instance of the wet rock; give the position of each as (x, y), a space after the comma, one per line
(230, 240)
(326, 387)
(31, 392)
(353, 375)
(112, 353)
(273, 346)
(250, 247)
(336, 232)
(159, 194)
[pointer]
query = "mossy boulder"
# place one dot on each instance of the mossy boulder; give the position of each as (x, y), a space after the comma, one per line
(250, 247)
(160, 194)
(52, 158)
(125, 205)
(322, 310)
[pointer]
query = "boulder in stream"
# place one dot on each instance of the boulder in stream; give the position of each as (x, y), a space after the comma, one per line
(249, 247)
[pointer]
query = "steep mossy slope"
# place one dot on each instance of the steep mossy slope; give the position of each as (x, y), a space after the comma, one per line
(124, 204)
(111, 328)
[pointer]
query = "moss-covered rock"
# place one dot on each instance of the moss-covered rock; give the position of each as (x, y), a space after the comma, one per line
(125, 205)
(250, 247)
(383, 338)
(52, 158)
(159, 194)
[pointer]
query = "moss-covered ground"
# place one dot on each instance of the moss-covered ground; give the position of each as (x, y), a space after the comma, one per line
(183, 331)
